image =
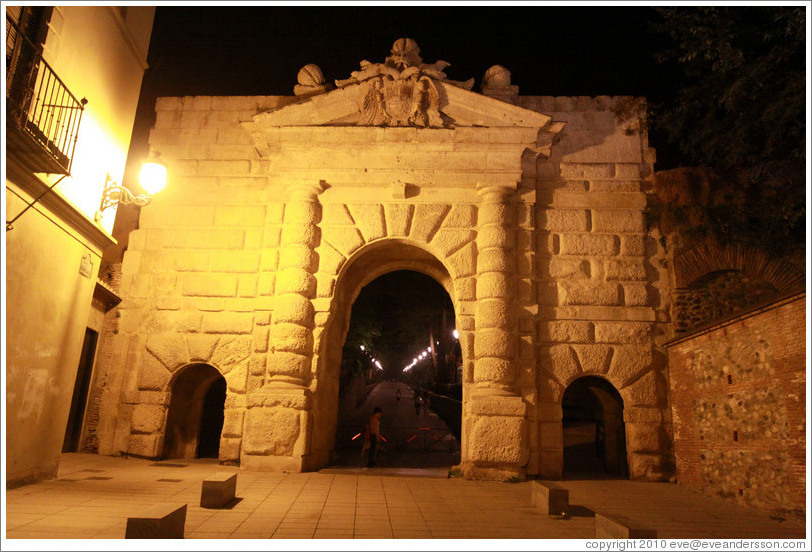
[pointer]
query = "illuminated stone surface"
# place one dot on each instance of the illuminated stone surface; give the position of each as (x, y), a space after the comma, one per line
(529, 211)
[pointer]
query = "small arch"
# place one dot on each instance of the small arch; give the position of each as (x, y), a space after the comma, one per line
(594, 434)
(195, 417)
(705, 259)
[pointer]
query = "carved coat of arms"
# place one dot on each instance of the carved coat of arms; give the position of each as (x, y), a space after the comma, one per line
(403, 91)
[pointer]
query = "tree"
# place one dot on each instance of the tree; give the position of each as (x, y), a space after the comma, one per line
(740, 116)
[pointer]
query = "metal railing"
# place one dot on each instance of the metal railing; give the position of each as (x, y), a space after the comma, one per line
(402, 439)
(37, 101)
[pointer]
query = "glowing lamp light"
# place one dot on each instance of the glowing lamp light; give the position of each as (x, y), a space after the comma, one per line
(456, 334)
(152, 177)
(362, 348)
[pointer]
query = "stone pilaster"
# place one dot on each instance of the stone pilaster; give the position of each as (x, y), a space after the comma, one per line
(495, 338)
(291, 335)
(279, 417)
(497, 444)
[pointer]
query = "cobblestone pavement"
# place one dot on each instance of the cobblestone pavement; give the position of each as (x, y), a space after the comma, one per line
(93, 495)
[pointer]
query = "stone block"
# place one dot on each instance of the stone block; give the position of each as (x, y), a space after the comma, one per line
(233, 422)
(628, 363)
(239, 215)
(228, 322)
(493, 441)
(463, 262)
(201, 346)
(594, 359)
(448, 240)
(588, 171)
(615, 526)
(209, 285)
(162, 521)
(427, 221)
(461, 216)
(147, 418)
(152, 374)
(222, 167)
(619, 221)
(235, 261)
(566, 331)
(631, 171)
(231, 351)
(549, 498)
(218, 490)
(636, 295)
(206, 239)
(644, 437)
(344, 239)
(589, 244)
(398, 219)
(370, 220)
(564, 220)
(588, 292)
(625, 269)
(623, 332)
(558, 267)
(270, 431)
(247, 286)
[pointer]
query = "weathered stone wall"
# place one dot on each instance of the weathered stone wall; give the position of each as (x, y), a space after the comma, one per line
(249, 261)
(738, 399)
(600, 277)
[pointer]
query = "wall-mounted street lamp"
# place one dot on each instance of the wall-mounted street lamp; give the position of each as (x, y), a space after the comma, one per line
(152, 178)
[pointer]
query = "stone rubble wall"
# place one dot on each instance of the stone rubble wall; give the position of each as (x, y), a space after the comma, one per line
(738, 400)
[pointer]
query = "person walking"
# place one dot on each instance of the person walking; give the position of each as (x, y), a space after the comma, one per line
(374, 430)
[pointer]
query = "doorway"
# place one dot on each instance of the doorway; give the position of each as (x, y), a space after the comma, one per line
(195, 419)
(593, 430)
(76, 417)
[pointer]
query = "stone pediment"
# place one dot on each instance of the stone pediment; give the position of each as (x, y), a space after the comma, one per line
(402, 91)
(350, 106)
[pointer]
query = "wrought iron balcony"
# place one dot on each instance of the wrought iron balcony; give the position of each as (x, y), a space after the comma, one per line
(42, 116)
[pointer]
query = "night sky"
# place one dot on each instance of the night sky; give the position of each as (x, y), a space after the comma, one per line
(582, 50)
(258, 50)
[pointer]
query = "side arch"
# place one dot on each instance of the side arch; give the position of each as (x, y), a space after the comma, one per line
(188, 391)
(705, 259)
(594, 435)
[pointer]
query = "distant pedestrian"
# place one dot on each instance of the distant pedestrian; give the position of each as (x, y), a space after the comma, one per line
(426, 403)
(397, 395)
(373, 436)
(417, 402)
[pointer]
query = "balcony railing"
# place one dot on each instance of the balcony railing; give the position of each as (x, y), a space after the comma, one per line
(42, 116)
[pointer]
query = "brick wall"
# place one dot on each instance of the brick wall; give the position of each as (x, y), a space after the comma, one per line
(738, 398)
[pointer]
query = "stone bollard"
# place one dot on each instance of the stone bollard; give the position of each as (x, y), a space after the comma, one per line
(615, 526)
(549, 498)
(218, 490)
(162, 521)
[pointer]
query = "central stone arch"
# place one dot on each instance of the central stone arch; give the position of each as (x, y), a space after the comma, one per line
(365, 265)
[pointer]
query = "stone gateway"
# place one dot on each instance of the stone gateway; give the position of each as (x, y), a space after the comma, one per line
(529, 211)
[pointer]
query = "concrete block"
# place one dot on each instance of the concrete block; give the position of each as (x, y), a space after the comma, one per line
(549, 498)
(218, 490)
(162, 521)
(615, 526)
